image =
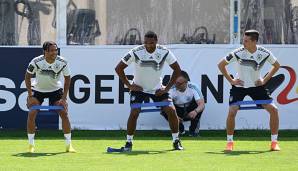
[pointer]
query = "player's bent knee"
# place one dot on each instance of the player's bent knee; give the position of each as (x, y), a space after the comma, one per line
(63, 114)
(233, 110)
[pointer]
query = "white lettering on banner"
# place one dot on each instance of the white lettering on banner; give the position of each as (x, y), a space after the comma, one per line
(7, 96)
(23, 98)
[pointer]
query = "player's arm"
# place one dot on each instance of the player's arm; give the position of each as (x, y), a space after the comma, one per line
(28, 77)
(222, 68)
(274, 69)
(201, 105)
(66, 87)
(120, 72)
(196, 111)
(176, 72)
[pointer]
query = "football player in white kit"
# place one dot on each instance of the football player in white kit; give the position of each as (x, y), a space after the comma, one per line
(48, 69)
(189, 103)
(149, 60)
(249, 59)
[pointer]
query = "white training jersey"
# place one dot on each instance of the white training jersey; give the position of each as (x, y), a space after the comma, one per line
(48, 76)
(248, 64)
(182, 99)
(148, 66)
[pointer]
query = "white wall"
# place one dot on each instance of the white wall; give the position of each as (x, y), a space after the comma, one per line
(197, 60)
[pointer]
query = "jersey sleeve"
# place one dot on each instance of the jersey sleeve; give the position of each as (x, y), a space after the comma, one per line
(66, 70)
(32, 67)
(128, 58)
(271, 59)
(171, 58)
(230, 57)
(197, 93)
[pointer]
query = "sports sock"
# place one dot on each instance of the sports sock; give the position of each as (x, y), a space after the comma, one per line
(67, 138)
(175, 136)
(31, 139)
(129, 138)
(230, 138)
(274, 137)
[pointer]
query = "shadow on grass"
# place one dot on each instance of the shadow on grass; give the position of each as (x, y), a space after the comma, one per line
(140, 152)
(237, 153)
(27, 154)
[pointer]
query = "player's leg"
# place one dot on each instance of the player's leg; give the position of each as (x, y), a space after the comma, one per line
(181, 112)
(37, 99)
(173, 119)
(55, 99)
(236, 94)
(135, 97)
(274, 124)
(262, 93)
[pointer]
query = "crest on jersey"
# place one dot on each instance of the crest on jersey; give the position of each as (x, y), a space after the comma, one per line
(158, 56)
(231, 98)
(56, 66)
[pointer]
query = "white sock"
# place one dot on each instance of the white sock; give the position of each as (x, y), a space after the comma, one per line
(230, 138)
(67, 138)
(274, 137)
(175, 136)
(129, 138)
(31, 139)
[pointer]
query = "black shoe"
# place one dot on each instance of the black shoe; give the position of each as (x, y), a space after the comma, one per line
(127, 147)
(177, 145)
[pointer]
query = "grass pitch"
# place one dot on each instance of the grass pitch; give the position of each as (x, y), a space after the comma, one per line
(152, 150)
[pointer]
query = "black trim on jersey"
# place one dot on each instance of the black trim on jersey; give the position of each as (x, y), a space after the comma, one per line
(41, 58)
(138, 48)
(229, 57)
(263, 50)
(263, 61)
(251, 63)
(239, 50)
(60, 59)
(153, 64)
(37, 66)
(137, 59)
(60, 70)
(30, 68)
(127, 57)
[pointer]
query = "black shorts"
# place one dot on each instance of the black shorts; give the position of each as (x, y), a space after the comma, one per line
(256, 93)
(140, 97)
(53, 96)
(182, 112)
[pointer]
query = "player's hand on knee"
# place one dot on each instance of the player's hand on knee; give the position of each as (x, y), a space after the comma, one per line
(192, 114)
(31, 101)
(135, 87)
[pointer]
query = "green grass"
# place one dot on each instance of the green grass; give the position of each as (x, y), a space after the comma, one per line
(151, 151)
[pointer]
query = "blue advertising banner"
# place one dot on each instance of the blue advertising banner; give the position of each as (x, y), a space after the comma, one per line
(13, 93)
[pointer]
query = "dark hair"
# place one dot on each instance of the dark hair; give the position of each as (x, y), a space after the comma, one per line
(46, 45)
(253, 34)
(151, 34)
(185, 75)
